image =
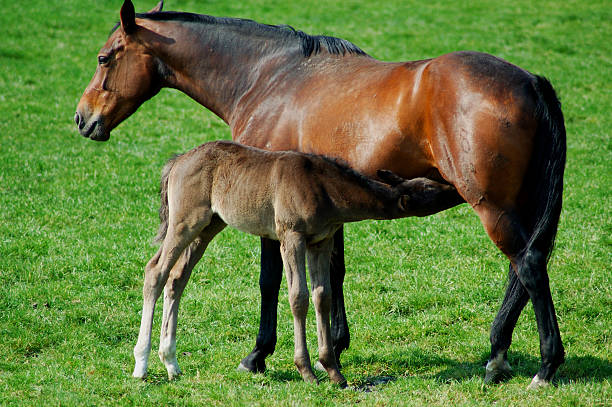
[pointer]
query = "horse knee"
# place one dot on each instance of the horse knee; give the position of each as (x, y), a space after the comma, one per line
(532, 270)
(298, 300)
(321, 297)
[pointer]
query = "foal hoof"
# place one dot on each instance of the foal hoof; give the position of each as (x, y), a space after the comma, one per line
(139, 372)
(537, 383)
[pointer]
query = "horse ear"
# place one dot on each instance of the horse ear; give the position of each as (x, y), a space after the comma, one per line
(389, 177)
(404, 203)
(128, 17)
(157, 8)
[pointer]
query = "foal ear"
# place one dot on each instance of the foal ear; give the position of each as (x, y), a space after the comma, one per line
(157, 8)
(128, 17)
(404, 203)
(389, 177)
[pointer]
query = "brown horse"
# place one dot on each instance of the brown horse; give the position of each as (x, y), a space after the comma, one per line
(491, 129)
(299, 199)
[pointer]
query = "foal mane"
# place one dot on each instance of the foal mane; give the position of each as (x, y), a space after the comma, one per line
(311, 44)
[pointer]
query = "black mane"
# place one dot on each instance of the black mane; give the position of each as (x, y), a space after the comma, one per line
(311, 44)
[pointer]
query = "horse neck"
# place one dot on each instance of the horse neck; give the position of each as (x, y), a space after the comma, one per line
(357, 198)
(216, 64)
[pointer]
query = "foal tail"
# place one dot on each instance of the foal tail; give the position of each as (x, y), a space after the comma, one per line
(547, 167)
(163, 210)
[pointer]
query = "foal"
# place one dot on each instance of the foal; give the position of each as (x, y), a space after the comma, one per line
(300, 200)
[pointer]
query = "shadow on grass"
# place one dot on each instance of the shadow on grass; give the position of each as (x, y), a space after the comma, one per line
(420, 364)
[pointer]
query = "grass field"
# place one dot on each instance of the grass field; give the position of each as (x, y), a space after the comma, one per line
(77, 219)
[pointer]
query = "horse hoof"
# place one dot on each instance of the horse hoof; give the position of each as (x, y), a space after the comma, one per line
(174, 374)
(140, 372)
(138, 375)
(243, 368)
(537, 383)
(497, 370)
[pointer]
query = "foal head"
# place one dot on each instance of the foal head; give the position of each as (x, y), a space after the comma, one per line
(127, 75)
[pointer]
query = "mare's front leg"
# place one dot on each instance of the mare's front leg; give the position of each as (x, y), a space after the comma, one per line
(179, 276)
(318, 263)
(269, 286)
(339, 325)
(293, 251)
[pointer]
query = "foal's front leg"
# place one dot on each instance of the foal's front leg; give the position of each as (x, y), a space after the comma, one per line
(318, 263)
(293, 251)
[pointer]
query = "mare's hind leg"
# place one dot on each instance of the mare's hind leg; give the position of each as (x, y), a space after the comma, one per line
(509, 235)
(318, 263)
(514, 301)
(177, 280)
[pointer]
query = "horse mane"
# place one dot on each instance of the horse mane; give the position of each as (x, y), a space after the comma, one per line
(349, 172)
(311, 44)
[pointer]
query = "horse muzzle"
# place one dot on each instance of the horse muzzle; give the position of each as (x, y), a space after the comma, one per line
(92, 128)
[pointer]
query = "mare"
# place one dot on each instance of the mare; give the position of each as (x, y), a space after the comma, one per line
(297, 199)
(489, 128)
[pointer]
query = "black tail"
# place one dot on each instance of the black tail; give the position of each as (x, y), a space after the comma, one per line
(163, 210)
(548, 165)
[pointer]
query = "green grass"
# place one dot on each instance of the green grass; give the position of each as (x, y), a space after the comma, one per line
(77, 218)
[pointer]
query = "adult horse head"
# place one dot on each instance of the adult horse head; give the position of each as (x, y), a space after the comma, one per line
(127, 75)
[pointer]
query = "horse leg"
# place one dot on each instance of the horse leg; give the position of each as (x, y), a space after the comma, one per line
(293, 252)
(339, 326)
(177, 280)
(529, 263)
(514, 301)
(156, 275)
(318, 263)
(269, 287)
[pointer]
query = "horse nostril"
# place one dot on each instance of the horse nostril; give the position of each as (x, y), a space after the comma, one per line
(79, 120)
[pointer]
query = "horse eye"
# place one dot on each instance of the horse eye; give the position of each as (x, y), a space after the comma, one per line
(102, 59)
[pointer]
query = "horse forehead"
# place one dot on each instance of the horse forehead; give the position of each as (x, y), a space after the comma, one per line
(114, 42)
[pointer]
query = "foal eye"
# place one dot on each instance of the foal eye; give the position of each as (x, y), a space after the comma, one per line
(102, 59)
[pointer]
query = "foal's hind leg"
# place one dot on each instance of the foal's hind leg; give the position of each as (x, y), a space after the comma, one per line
(156, 275)
(179, 276)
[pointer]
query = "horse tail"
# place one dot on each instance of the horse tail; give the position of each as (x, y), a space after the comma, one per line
(163, 210)
(548, 165)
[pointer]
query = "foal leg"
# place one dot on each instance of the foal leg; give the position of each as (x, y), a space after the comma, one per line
(179, 276)
(156, 274)
(339, 326)
(318, 262)
(293, 251)
(269, 287)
